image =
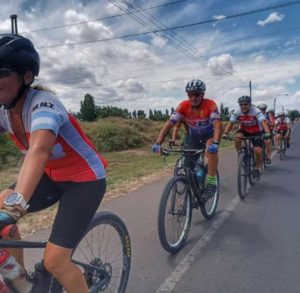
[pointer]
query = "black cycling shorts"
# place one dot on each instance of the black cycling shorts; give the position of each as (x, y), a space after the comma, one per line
(194, 142)
(256, 142)
(77, 204)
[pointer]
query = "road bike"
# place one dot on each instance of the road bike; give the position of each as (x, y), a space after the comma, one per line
(103, 255)
(183, 192)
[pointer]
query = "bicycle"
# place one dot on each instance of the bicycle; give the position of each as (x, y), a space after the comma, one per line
(246, 166)
(282, 145)
(182, 193)
(92, 255)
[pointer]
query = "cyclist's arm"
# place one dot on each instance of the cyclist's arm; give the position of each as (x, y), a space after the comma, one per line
(176, 130)
(40, 146)
(164, 132)
(217, 123)
(228, 127)
(265, 126)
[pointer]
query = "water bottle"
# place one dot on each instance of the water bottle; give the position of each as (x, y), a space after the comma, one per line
(199, 171)
(12, 270)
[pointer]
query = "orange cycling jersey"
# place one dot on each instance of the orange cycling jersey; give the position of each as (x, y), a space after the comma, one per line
(73, 157)
(199, 120)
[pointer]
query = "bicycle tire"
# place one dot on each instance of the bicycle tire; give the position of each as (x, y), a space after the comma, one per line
(92, 248)
(178, 169)
(251, 167)
(242, 177)
(282, 149)
(181, 215)
(209, 207)
(265, 157)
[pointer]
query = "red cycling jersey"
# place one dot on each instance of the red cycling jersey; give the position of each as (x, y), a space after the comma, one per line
(199, 121)
(249, 122)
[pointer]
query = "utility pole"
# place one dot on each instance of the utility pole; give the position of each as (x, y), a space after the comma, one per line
(250, 88)
(14, 24)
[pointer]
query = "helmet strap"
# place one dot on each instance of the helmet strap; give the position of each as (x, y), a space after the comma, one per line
(19, 95)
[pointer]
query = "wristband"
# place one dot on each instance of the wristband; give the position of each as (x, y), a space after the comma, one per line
(215, 142)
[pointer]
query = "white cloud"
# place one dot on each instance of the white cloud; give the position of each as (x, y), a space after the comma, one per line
(218, 17)
(221, 65)
(273, 17)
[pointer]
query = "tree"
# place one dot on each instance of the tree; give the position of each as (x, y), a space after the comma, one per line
(224, 111)
(141, 114)
(87, 109)
(293, 114)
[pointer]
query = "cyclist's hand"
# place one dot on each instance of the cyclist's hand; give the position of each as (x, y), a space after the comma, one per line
(213, 148)
(225, 136)
(267, 135)
(11, 214)
(156, 148)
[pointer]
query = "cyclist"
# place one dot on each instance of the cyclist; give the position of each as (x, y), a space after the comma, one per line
(251, 121)
(282, 124)
(202, 117)
(60, 164)
(270, 120)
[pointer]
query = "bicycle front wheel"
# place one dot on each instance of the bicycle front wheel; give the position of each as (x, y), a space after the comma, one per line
(175, 214)
(104, 254)
(251, 167)
(208, 207)
(282, 149)
(242, 178)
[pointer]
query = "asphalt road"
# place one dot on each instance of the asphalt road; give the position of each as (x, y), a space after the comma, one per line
(250, 246)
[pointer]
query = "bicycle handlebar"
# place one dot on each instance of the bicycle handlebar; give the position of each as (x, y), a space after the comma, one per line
(168, 152)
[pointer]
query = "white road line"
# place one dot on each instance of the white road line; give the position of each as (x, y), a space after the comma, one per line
(169, 284)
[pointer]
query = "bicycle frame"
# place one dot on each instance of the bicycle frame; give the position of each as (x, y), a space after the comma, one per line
(188, 173)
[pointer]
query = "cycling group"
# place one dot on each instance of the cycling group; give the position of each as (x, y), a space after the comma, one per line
(203, 129)
(61, 165)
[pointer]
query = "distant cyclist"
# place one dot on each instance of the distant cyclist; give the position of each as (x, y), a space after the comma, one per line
(202, 117)
(251, 122)
(60, 165)
(270, 120)
(282, 124)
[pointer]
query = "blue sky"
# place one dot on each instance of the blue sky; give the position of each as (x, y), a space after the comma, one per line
(151, 70)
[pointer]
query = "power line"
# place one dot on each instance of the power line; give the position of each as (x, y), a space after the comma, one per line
(175, 27)
(104, 18)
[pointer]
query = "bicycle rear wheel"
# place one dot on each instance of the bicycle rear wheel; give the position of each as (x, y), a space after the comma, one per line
(104, 254)
(242, 177)
(209, 206)
(174, 214)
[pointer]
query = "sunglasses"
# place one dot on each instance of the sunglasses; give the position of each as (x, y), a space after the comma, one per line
(6, 72)
(244, 105)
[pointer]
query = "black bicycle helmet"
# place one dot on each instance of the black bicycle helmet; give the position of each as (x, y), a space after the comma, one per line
(195, 85)
(19, 53)
(244, 99)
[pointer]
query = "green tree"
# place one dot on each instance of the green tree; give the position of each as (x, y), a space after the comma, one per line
(141, 114)
(294, 114)
(87, 109)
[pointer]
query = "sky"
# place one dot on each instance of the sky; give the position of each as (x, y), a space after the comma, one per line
(124, 53)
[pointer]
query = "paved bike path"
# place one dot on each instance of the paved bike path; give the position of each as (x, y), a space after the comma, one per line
(219, 264)
(150, 263)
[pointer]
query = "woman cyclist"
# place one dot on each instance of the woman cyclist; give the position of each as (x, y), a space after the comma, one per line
(60, 164)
